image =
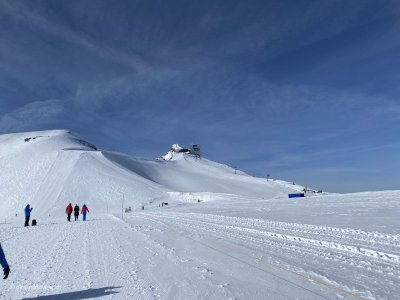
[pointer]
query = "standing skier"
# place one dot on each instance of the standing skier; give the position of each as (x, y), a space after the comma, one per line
(68, 211)
(27, 211)
(84, 211)
(76, 212)
(4, 264)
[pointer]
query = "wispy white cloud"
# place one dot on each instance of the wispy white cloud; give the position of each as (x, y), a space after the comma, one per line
(32, 115)
(389, 109)
(22, 13)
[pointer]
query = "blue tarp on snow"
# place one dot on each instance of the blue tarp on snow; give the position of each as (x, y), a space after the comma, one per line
(297, 195)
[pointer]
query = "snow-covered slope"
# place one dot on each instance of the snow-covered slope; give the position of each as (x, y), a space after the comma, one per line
(49, 169)
(244, 240)
(186, 173)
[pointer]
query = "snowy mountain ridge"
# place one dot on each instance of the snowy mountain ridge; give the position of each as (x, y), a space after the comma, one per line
(49, 169)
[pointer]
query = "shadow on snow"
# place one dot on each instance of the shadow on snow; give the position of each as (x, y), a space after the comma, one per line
(86, 294)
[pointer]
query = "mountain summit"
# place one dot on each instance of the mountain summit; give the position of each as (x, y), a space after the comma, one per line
(50, 169)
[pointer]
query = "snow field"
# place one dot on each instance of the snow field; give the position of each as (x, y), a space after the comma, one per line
(169, 254)
(112, 259)
(70, 260)
(350, 267)
(221, 236)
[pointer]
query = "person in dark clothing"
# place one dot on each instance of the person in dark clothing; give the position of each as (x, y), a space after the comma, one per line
(4, 264)
(27, 211)
(68, 211)
(76, 212)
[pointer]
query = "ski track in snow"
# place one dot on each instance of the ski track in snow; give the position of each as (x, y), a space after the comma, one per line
(74, 260)
(170, 255)
(350, 260)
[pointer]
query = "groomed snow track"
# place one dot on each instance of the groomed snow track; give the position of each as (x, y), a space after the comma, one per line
(348, 261)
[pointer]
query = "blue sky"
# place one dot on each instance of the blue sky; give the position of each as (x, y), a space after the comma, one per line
(306, 91)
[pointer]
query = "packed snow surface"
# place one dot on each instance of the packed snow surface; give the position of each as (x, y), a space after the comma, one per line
(221, 235)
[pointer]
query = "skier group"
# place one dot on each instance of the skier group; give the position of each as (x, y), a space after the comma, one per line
(69, 210)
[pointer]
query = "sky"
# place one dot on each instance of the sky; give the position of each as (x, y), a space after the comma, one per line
(305, 91)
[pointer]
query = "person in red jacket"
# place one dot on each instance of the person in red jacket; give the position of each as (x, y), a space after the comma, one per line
(68, 211)
(84, 211)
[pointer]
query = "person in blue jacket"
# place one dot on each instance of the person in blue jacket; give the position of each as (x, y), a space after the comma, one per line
(27, 211)
(4, 264)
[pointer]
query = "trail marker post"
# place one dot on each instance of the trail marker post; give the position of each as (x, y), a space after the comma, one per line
(122, 206)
